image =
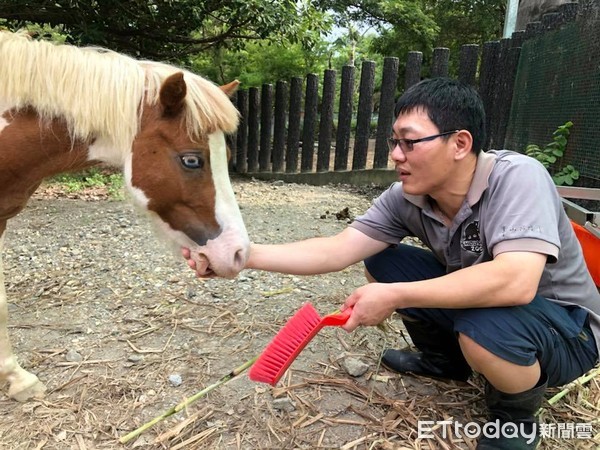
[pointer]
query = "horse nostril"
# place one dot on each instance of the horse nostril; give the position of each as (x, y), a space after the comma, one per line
(239, 259)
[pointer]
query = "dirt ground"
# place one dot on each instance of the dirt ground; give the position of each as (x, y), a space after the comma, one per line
(121, 331)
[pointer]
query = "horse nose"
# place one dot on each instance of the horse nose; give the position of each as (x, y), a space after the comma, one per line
(225, 258)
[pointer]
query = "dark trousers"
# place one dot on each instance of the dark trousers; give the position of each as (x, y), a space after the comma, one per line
(558, 337)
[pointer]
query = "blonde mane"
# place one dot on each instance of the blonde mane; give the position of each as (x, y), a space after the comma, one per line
(101, 93)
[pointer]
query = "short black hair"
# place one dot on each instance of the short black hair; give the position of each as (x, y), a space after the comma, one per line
(450, 105)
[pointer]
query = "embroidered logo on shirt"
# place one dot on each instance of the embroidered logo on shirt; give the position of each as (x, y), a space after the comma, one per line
(470, 239)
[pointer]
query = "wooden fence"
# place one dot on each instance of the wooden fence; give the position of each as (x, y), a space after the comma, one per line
(289, 128)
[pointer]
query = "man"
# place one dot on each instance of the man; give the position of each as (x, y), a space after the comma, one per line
(502, 290)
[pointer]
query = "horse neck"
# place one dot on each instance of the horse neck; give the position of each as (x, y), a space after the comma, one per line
(31, 152)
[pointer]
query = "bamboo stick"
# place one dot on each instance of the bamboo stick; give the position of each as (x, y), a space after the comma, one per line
(578, 382)
(188, 401)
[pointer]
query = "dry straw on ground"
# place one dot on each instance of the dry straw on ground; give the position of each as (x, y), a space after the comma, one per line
(109, 320)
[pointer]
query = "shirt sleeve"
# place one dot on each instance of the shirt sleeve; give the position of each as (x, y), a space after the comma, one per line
(383, 220)
(523, 208)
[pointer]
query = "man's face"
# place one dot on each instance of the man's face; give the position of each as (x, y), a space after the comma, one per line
(426, 169)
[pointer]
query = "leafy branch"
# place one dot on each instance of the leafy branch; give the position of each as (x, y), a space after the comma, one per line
(553, 153)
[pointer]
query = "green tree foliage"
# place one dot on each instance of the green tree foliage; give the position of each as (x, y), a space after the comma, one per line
(466, 21)
(267, 61)
(401, 25)
(166, 29)
(421, 25)
(258, 63)
(260, 41)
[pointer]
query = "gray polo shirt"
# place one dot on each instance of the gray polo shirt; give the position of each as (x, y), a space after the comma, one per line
(512, 205)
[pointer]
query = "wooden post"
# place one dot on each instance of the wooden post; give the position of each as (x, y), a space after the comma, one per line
(253, 126)
(266, 127)
(326, 121)
(386, 117)
(568, 11)
(517, 38)
(344, 129)
(487, 75)
(363, 118)
(231, 139)
(310, 120)
(295, 117)
(467, 69)
(533, 29)
(440, 63)
(241, 159)
(510, 69)
(412, 72)
(498, 103)
(551, 21)
(281, 99)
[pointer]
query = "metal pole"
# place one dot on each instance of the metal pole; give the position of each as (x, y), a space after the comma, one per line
(510, 19)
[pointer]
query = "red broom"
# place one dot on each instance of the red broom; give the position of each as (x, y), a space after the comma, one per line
(289, 342)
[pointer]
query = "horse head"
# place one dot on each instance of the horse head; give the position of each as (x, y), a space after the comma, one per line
(181, 178)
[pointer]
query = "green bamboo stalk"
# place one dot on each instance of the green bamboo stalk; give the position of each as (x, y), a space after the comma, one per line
(188, 401)
(578, 382)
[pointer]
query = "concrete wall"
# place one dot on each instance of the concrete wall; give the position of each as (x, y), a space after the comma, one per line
(533, 10)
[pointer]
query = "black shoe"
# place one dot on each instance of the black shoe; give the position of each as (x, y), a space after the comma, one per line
(426, 364)
(513, 412)
(440, 355)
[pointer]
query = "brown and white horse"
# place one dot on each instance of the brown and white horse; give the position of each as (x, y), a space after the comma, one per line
(64, 108)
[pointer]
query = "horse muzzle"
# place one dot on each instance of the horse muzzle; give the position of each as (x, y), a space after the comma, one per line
(224, 256)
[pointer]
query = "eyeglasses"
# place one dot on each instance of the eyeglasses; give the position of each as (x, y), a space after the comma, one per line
(406, 145)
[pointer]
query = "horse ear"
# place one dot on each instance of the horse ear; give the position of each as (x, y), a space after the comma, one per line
(230, 88)
(172, 94)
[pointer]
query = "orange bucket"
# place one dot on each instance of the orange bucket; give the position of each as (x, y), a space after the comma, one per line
(591, 250)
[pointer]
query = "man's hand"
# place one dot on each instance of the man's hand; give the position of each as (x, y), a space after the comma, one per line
(187, 255)
(372, 304)
(199, 266)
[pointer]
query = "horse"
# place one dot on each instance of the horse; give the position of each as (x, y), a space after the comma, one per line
(66, 108)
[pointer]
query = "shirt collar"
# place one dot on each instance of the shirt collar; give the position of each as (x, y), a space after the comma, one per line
(485, 165)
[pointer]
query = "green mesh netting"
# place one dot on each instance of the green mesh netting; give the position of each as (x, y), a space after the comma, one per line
(558, 79)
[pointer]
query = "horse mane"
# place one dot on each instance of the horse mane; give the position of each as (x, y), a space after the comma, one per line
(101, 93)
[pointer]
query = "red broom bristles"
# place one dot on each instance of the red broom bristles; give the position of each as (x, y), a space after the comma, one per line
(290, 341)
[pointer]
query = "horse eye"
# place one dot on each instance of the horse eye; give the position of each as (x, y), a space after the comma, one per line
(192, 161)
